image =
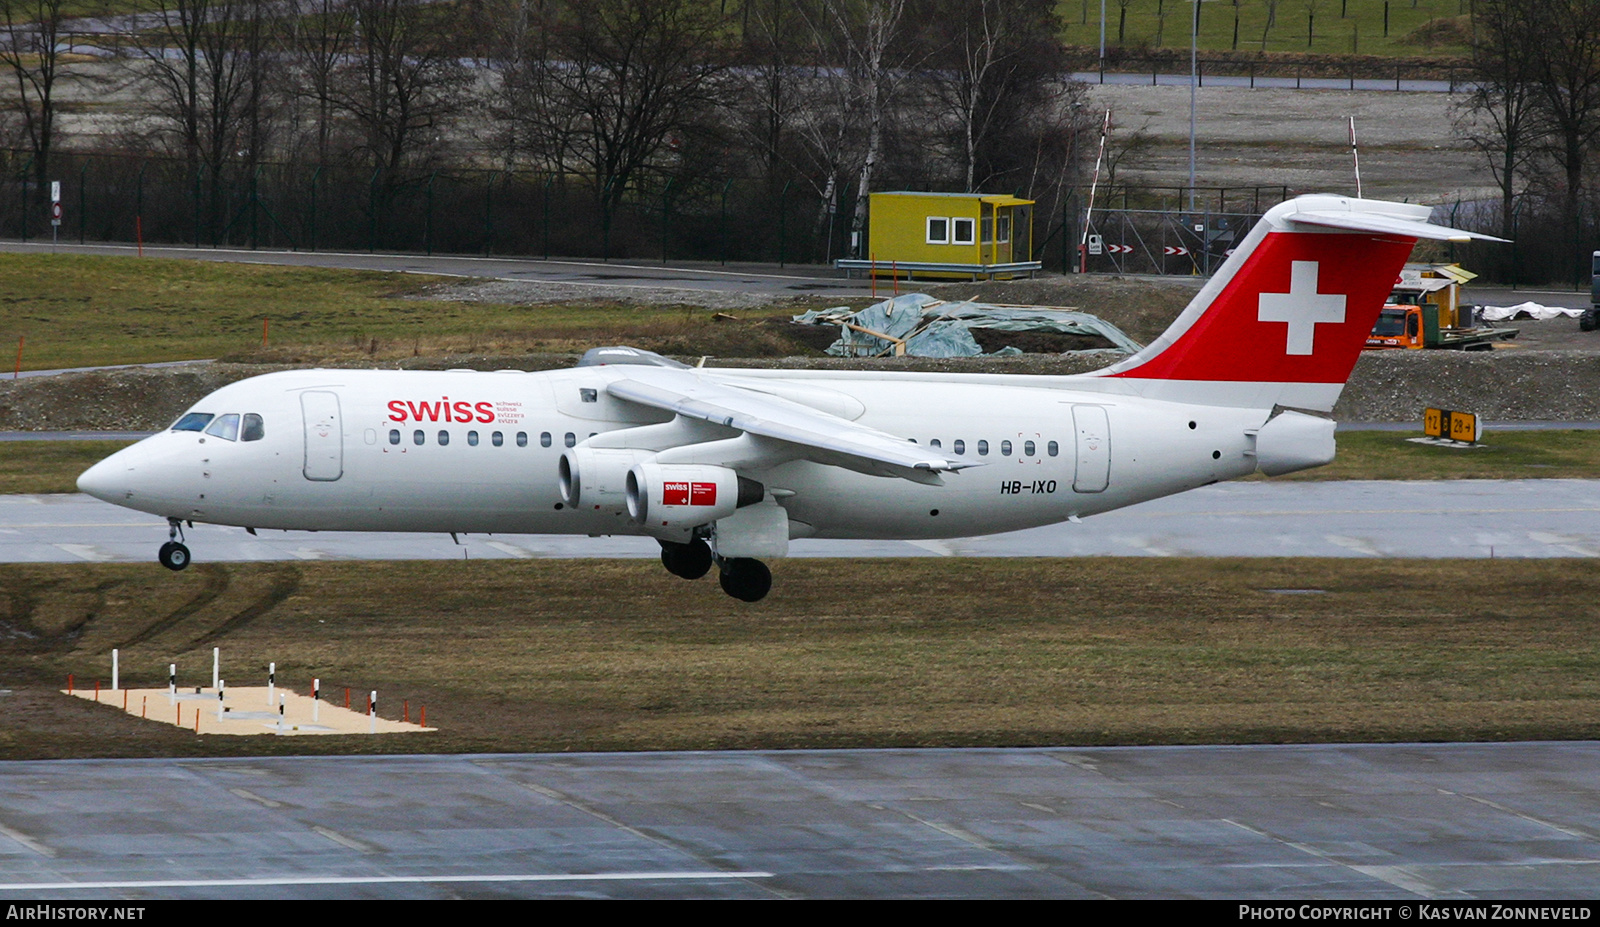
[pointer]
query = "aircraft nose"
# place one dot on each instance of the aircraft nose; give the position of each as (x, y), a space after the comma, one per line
(106, 480)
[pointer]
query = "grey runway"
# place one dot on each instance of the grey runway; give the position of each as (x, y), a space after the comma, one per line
(1449, 518)
(1350, 822)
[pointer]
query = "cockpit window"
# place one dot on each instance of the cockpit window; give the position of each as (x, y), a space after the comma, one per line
(254, 428)
(193, 421)
(225, 427)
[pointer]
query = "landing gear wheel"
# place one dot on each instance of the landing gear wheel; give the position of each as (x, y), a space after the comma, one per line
(745, 579)
(173, 556)
(690, 561)
(1589, 320)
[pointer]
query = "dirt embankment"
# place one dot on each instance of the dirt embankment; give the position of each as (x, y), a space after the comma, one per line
(1392, 386)
(1551, 374)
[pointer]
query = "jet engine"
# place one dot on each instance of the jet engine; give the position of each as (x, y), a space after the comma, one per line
(596, 478)
(686, 495)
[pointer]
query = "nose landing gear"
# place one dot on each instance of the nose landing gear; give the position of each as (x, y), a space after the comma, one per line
(173, 555)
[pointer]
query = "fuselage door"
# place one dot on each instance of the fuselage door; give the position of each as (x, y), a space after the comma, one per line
(324, 435)
(1094, 449)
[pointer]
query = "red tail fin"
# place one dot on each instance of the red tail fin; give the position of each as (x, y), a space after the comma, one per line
(1284, 319)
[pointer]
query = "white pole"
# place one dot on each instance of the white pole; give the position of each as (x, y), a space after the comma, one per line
(372, 713)
(281, 700)
(172, 683)
(219, 699)
(316, 699)
(272, 683)
(216, 667)
(1194, 81)
(1355, 154)
(113, 670)
(1102, 41)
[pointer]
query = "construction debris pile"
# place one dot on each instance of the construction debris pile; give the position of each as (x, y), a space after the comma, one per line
(919, 325)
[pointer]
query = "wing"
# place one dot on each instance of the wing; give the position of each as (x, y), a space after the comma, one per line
(800, 431)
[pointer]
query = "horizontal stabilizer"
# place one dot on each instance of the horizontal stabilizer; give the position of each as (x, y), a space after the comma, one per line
(1392, 225)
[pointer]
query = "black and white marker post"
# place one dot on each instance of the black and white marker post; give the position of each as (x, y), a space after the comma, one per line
(55, 213)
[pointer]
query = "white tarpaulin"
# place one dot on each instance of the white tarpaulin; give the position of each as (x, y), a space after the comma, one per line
(921, 326)
(1525, 311)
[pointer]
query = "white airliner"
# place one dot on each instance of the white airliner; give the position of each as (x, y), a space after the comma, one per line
(725, 466)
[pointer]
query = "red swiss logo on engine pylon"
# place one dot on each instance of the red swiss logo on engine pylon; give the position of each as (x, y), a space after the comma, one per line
(682, 492)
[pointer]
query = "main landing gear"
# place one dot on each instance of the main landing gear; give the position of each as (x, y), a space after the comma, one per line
(741, 577)
(173, 555)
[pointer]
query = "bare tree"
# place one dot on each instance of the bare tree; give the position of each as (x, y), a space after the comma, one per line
(205, 62)
(32, 53)
(319, 37)
(1567, 89)
(633, 77)
(402, 84)
(997, 73)
(1498, 114)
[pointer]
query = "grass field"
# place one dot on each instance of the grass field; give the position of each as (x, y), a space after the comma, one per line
(75, 311)
(1340, 27)
(53, 466)
(511, 656)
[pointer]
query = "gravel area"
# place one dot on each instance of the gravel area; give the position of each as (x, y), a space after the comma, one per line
(533, 293)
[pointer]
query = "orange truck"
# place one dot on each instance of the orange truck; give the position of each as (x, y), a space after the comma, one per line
(1425, 311)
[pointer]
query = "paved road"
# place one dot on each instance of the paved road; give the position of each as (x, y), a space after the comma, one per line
(1454, 518)
(1373, 822)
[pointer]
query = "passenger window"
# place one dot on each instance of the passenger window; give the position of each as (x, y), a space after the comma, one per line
(544, 439)
(935, 443)
(194, 421)
(983, 449)
(1028, 449)
(225, 427)
(1053, 448)
(417, 437)
(960, 446)
(522, 439)
(1005, 448)
(254, 428)
(472, 439)
(394, 436)
(444, 438)
(497, 439)
(571, 439)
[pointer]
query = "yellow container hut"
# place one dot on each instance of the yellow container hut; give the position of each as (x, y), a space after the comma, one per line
(947, 235)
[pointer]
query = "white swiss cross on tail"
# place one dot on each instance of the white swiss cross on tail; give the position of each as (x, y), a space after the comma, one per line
(1302, 307)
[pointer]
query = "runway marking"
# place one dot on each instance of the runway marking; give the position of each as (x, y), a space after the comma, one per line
(306, 553)
(386, 880)
(28, 842)
(349, 843)
(248, 795)
(942, 548)
(1398, 876)
(1356, 544)
(1312, 513)
(1568, 542)
(1142, 544)
(512, 549)
(86, 552)
(1569, 831)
